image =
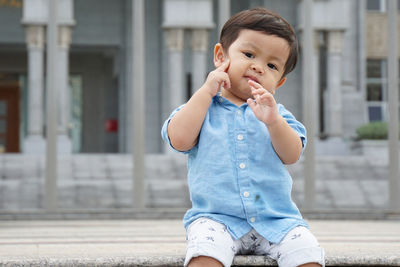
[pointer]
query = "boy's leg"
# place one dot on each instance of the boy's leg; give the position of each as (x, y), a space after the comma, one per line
(298, 248)
(204, 261)
(310, 265)
(209, 242)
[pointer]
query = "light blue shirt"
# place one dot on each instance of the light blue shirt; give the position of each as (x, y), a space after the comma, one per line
(235, 176)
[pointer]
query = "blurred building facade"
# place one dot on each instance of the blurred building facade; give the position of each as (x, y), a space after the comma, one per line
(94, 67)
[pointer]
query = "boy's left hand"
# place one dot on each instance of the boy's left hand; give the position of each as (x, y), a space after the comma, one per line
(263, 105)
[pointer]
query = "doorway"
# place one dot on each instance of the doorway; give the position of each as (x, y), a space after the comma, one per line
(9, 118)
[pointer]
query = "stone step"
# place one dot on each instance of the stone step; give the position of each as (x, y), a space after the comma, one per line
(162, 243)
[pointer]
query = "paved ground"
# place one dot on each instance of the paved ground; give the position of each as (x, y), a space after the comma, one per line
(152, 242)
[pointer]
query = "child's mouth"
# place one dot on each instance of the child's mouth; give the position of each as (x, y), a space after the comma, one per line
(254, 79)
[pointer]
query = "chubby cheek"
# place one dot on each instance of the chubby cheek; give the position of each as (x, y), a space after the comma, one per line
(235, 74)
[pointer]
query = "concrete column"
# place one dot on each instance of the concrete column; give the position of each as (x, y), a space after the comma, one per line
(35, 143)
(362, 59)
(138, 103)
(175, 45)
(64, 40)
(309, 104)
(393, 96)
(51, 198)
(199, 58)
(317, 43)
(224, 13)
(334, 82)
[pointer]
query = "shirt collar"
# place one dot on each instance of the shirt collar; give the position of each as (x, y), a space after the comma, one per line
(226, 103)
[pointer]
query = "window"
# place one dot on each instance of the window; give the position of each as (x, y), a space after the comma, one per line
(377, 91)
(75, 126)
(375, 5)
(379, 5)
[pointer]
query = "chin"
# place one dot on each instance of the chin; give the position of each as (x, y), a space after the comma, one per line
(246, 96)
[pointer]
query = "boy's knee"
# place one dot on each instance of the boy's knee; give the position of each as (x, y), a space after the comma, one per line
(204, 261)
(312, 264)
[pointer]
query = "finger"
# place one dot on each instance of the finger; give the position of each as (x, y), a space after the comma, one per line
(226, 81)
(266, 99)
(258, 99)
(258, 86)
(254, 84)
(258, 91)
(251, 103)
(261, 91)
(224, 66)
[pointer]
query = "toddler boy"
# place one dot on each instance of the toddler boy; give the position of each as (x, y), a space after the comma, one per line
(238, 139)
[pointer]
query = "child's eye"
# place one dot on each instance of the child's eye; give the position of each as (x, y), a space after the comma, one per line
(249, 55)
(272, 66)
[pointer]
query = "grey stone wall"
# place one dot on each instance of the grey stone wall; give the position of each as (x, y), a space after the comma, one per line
(11, 30)
(98, 22)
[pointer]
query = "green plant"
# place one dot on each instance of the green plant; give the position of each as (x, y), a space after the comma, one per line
(373, 130)
(377, 130)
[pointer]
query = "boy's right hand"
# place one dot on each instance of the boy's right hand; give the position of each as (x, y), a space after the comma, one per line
(217, 78)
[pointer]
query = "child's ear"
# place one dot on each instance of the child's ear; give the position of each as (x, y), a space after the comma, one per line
(219, 55)
(280, 83)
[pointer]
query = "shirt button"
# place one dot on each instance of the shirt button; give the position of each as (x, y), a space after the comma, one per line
(246, 194)
(220, 99)
(252, 219)
(240, 137)
(239, 112)
(242, 165)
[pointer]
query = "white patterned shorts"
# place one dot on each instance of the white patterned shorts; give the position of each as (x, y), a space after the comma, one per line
(206, 237)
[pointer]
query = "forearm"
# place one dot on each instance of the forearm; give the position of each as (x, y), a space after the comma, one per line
(185, 126)
(285, 140)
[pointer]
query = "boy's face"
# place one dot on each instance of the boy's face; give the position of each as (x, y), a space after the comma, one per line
(253, 56)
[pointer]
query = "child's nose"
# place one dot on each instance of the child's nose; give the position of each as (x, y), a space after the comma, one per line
(257, 68)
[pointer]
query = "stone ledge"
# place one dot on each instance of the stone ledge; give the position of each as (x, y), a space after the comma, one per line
(177, 213)
(178, 261)
(161, 242)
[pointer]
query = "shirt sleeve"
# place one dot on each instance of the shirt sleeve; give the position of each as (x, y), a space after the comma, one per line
(164, 130)
(294, 124)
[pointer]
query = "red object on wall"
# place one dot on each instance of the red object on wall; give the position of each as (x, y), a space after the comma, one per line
(111, 126)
